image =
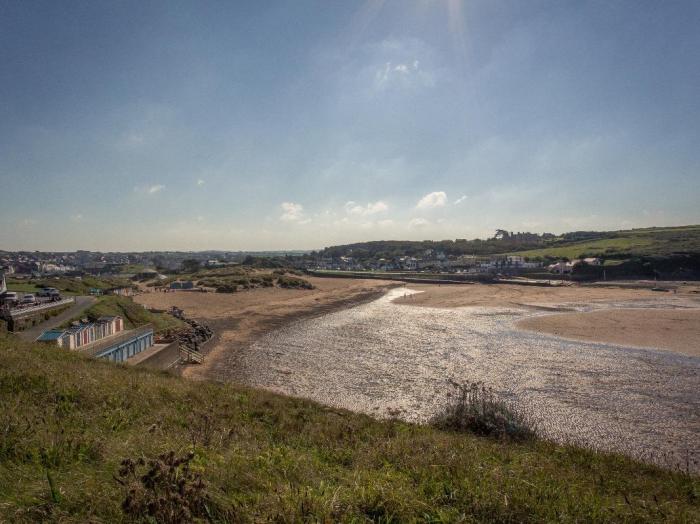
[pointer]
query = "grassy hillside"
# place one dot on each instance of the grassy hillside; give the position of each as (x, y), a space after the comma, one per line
(68, 423)
(614, 244)
(134, 314)
(625, 244)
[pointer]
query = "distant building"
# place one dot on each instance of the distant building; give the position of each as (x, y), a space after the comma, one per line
(147, 274)
(184, 284)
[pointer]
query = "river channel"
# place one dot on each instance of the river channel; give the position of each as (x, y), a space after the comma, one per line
(391, 360)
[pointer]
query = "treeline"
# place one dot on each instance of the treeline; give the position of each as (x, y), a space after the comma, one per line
(502, 242)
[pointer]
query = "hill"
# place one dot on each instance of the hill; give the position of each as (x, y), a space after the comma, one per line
(619, 245)
(84, 440)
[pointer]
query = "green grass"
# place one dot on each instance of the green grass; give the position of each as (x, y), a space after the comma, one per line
(625, 244)
(66, 424)
(232, 279)
(134, 314)
(592, 248)
(21, 286)
(66, 285)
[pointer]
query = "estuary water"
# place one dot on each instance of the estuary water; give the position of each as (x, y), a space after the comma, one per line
(392, 360)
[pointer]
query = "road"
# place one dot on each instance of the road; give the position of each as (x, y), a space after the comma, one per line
(80, 305)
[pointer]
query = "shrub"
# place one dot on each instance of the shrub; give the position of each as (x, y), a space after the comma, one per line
(293, 283)
(163, 490)
(478, 410)
(226, 289)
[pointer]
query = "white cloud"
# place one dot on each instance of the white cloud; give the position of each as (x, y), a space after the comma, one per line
(372, 208)
(418, 223)
(149, 190)
(408, 74)
(460, 200)
(292, 212)
(77, 218)
(385, 223)
(434, 199)
(200, 182)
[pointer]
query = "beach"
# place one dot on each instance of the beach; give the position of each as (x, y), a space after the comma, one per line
(238, 318)
(627, 316)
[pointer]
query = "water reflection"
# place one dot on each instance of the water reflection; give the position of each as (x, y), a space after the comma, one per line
(391, 360)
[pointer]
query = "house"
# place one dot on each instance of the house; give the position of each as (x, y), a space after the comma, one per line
(182, 284)
(562, 267)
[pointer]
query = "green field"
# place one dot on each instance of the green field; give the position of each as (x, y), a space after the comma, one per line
(66, 285)
(625, 244)
(67, 423)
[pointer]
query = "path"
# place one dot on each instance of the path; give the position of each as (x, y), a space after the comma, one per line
(80, 305)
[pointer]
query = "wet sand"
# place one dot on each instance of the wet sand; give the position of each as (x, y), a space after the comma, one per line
(625, 316)
(239, 318)
(675, 330)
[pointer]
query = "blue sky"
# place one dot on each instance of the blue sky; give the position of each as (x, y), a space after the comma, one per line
(301, 124)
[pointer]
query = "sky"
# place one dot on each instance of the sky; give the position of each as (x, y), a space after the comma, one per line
(302, 124)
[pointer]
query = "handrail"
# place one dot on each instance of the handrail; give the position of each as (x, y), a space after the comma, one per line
(192, 355)
(48, 305)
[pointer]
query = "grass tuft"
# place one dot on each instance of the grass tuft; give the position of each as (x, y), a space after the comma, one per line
(477, 409)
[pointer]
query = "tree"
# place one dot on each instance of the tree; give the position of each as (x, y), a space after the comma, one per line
(190, 265)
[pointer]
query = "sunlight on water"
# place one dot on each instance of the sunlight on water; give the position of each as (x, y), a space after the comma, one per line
(393, 360)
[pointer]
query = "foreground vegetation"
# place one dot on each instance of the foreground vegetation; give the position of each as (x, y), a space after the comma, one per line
(84, 440)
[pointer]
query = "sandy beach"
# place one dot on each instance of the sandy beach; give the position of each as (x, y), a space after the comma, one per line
(238, 318)
(627, 316)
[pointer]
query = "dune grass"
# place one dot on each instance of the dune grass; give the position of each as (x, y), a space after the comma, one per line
(67, 424)
(134, 314)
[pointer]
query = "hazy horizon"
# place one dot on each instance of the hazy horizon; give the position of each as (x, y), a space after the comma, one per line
(198, 126)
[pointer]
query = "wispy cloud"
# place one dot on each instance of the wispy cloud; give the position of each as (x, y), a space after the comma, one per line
(431, 200)
(418, 223)
(200, 182)
(372, 208)
(292, 212)
(77, 217)
(460, 200)
(149, 190)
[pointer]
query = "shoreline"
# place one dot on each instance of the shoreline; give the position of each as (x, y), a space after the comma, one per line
(219, 348)
(238, 319)
(637, 318)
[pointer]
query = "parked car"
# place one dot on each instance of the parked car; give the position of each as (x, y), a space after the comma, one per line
(46, 292)
(9, 297)
(28, 300)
